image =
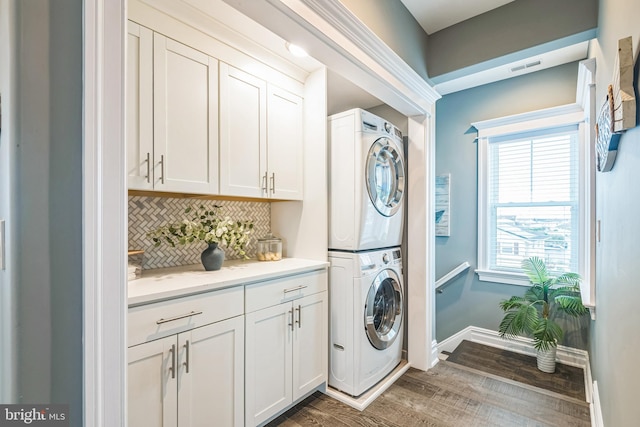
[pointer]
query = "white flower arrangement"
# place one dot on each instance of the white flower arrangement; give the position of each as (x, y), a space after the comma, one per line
(207, 226)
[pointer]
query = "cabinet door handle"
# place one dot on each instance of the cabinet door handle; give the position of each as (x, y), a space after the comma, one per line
(172, 368)
(297, 288)
(162, 168)
(273, 183)
(186, 363)
(182, 316)
(148, 167)
(291, 317)
(299, 321)
(264, 184)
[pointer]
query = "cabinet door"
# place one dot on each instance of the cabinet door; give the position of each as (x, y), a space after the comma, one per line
(211, 375)
(185, 118)
(139, 95)
(243, 121)
(151, 384)
(310, 344)
(284, 144)
(268, 362)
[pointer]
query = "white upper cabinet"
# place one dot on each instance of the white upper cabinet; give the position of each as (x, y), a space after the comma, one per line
(243, 136)
(172, 115)
(260, 138)
(139, 81)
(185, 99)
(284, 138)
(206, 118)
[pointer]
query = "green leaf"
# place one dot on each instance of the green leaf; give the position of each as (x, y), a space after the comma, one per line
(547, 334)
(523, 318)
(536, 270)
(572, 305)
(513, 302)
(571, 279)
(535, 294)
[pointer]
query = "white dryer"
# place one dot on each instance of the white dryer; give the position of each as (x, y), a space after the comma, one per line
(366, 304)
(367, 182)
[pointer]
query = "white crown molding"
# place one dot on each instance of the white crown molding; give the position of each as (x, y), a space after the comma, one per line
(342, 19)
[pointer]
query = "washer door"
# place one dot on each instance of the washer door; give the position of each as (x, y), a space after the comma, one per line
(383, 309)
(385, 176)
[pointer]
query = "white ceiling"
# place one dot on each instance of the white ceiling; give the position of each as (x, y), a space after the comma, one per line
(434, 15)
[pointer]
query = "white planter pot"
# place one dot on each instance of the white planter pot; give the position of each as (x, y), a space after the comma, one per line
(547, 360)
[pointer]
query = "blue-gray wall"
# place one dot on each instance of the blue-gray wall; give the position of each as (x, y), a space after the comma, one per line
(392, 22)
(615, 339)
(517, 30)
(49, 204)
(8, 208)
(466, 301)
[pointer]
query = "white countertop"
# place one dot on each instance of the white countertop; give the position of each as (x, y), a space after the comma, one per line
(165, 283)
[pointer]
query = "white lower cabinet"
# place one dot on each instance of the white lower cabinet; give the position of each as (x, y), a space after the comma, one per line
(193, 378)
(286, 348)
(231, 357)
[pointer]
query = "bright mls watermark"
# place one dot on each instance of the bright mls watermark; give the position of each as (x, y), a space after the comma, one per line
(34, 415)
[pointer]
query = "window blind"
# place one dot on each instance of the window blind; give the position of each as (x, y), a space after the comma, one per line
(533, 199)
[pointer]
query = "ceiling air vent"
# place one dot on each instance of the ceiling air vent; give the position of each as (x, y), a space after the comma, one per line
(525, 66)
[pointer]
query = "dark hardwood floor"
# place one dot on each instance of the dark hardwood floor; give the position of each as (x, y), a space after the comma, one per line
(567, 380)
(450, 394)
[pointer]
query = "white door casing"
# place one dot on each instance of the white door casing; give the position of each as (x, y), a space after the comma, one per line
(336, 38)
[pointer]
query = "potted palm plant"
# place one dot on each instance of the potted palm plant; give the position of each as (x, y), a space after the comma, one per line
(534, 313)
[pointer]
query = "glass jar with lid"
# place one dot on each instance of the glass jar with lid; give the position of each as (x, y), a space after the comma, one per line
(269, 248)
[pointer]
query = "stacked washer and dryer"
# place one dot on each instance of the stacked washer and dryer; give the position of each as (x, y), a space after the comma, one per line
(366, 211)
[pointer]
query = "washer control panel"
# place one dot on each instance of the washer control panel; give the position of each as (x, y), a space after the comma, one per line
(375, 260)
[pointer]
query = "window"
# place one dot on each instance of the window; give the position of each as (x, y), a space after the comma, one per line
(531, 193)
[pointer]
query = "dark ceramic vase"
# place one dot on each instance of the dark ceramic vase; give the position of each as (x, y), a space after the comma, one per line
(212, 257)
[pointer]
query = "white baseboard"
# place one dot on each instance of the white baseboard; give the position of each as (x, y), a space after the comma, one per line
(434, 353)
(596, 411)
(566, 355)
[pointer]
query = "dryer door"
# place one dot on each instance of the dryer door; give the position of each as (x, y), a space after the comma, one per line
(385, 176)
(383, 309)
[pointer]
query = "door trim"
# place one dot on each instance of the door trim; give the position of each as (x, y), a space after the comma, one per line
(349, 47)
(104, 214)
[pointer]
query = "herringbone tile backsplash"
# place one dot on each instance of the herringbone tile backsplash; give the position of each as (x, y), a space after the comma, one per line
(148, 213)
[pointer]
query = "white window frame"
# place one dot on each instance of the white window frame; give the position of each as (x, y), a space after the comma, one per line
(555, 117)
